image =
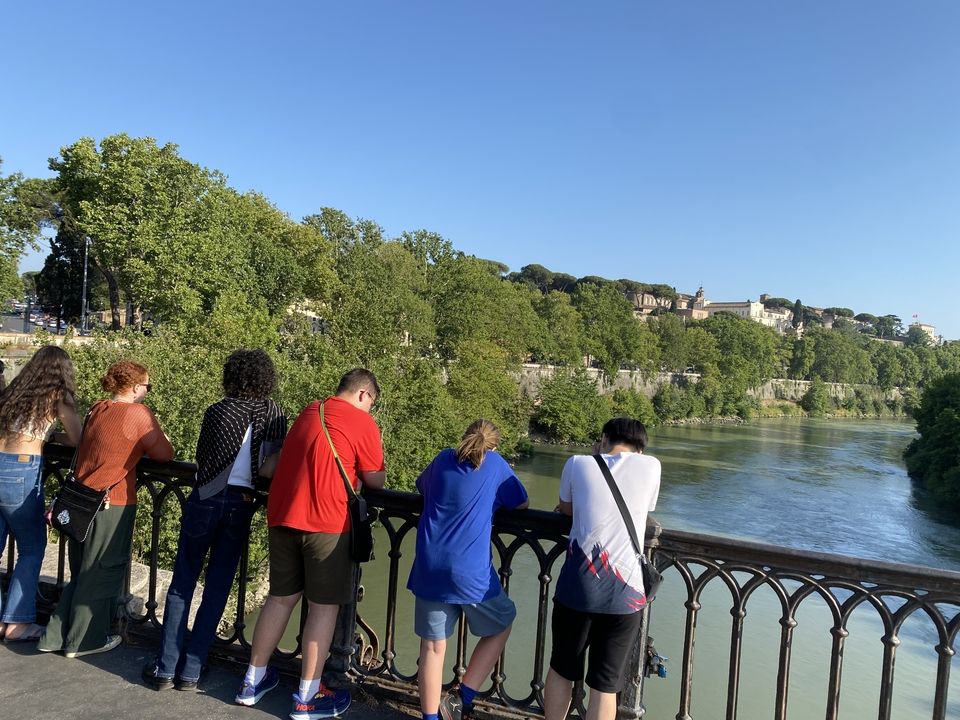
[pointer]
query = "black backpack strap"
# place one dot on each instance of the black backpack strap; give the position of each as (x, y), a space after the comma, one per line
(624, 513)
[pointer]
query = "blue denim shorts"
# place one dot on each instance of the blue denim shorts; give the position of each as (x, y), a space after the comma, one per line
(436, 620)
(19, 477)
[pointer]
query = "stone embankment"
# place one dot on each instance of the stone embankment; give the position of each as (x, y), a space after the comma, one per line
(776, 389)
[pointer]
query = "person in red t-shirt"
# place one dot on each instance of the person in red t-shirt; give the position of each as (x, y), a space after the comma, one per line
(309, 529)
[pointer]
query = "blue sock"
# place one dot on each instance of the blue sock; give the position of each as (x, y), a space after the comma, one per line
(467, 694)
(431, 716)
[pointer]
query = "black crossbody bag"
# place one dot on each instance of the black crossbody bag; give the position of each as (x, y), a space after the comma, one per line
(75, 505)
(651, 576)
(361, 517)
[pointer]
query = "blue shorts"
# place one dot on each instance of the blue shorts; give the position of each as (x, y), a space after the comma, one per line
(436, 620)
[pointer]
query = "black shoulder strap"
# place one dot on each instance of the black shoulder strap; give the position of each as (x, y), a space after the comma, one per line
(624, 513)
(76, 450)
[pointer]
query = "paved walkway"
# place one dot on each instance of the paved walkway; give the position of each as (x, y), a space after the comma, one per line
(45, 686)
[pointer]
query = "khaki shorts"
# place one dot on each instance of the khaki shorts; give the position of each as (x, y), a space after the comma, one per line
(317, 564)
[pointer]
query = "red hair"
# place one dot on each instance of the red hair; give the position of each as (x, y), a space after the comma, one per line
(123, 375)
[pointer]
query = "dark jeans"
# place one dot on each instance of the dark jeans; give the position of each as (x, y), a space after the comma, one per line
(219, 525)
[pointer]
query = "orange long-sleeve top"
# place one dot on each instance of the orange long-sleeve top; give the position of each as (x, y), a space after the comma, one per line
(116, 435)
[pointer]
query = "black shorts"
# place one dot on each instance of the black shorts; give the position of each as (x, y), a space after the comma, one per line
(609, 638)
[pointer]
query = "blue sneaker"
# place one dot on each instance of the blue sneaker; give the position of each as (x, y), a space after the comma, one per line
(325, 704)
(250, 695)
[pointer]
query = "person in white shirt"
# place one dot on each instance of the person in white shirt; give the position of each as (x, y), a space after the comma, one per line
(599, 595)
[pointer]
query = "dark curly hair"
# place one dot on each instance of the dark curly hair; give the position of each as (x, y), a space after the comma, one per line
(123, 375)
(249, 374)
(33, 397)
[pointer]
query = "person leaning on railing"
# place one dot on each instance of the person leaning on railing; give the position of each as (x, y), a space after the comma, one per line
(117, 433)
(309, 530)
(240, 439)
(599, 597)
(453, 568)
(41, 394)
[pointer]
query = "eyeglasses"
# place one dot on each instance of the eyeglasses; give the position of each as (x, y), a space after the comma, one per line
(148, 386)
(373, 398)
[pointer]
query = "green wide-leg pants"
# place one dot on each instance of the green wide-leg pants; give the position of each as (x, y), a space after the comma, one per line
(97, 569)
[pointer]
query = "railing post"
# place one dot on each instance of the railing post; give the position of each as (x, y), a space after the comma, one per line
(337, 667)
(630, 701)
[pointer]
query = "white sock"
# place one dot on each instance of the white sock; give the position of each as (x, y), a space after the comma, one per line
(254, 674)
(309, 688)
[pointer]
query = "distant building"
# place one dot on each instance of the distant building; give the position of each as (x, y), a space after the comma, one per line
(780, 319)
(645, 304)
(692, 306)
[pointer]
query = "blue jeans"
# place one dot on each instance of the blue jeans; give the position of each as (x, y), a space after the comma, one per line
(21, 514)
(219, 525)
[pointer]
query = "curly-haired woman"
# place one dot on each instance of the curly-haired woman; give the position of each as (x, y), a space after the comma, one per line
(118, 432)
(237, 433)
(34, 400)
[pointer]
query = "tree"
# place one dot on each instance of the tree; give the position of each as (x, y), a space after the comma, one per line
(840, 358)
(839, 312)
(917, 337)
(471, 303)
(570, 408)
(563, 282)
(700, 350)
(614, 337)
(59, 285)
(671, 333)
(802, 357)
(748, 351)
(777, 302)
(933, 459)
(19, 225)
(797, 313)
(888, 326)
(816, 400)
(536, 276)
(886, 360)
(560, 339)
(147, 212)
(811, 317)
(633, 404)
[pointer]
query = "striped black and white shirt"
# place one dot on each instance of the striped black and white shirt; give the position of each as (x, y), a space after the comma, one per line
(225, 423)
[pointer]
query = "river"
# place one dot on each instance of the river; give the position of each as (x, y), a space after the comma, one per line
(830, 486)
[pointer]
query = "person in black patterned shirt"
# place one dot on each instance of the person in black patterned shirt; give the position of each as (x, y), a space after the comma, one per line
(240, 439)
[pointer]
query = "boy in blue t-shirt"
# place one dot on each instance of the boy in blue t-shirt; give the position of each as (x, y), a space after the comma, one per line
(453, 567)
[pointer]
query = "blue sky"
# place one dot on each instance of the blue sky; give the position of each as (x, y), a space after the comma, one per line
(806, 150)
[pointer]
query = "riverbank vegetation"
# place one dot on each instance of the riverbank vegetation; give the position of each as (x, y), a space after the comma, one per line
(195, 268)
(933, 459)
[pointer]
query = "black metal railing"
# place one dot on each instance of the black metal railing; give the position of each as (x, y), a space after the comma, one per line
(895, 592)
(374, 651)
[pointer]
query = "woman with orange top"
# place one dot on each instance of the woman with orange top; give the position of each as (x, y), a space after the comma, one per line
(118, 432)
(40, 395)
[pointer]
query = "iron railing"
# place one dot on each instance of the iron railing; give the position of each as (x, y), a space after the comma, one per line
(367, 649)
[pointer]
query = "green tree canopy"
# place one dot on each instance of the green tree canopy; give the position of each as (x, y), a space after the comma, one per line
(614, 337)
(840, 312)
(933, 459)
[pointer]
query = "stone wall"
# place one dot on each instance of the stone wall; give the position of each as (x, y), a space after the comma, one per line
(776, 389)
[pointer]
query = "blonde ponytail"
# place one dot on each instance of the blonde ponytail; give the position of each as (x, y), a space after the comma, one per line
(482, 435)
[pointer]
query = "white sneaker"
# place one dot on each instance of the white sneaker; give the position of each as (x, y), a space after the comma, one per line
(112, 642)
